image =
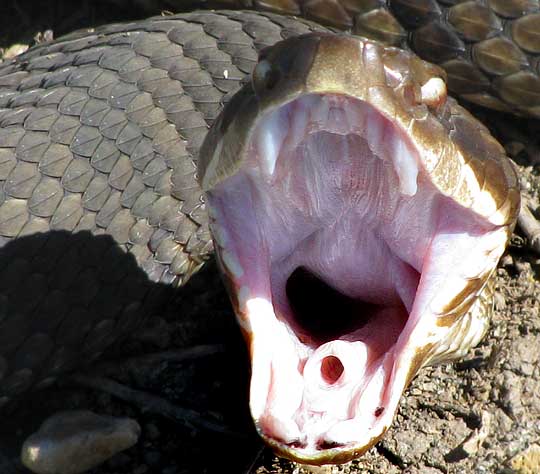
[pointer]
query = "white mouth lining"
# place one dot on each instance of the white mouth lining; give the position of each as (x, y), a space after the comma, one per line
(259, 319)
(311, 113)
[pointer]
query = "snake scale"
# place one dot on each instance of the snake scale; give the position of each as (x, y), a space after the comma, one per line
(99, 133)
(100, 209)
(489, 48)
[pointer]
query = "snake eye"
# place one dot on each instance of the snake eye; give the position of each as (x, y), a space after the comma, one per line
(265, 76)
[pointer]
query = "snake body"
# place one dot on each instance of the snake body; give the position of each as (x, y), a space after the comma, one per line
(99, 137)
(489, 48)
(100, 207)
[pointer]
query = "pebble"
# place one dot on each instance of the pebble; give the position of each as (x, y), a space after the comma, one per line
(71, 442)
(507, 261)
(306, 469)
(473, 443)
(14, 50)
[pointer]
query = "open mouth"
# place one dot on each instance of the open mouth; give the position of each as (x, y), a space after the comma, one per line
(346, 266)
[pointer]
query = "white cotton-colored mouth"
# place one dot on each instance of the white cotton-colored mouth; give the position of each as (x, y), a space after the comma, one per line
(341, 256)
(313, 113)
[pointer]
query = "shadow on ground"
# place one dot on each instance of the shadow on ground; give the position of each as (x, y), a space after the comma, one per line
(68, 298)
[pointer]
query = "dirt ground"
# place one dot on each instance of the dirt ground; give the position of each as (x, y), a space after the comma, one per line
(474, 416)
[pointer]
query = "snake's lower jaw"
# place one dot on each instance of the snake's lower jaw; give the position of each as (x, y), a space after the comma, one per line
(348, 269)
(326, 407)
(333, 402)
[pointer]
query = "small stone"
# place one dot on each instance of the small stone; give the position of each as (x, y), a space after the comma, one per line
(507, 261)
(423, 470)
(522, 267)
(499, 301)
(528, 461)
(15, 50)
(473, 443)
(72, 442)
(43, 37)
(512, 395)
(306, 469)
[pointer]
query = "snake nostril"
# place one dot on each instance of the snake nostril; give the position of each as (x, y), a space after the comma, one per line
(331, 369)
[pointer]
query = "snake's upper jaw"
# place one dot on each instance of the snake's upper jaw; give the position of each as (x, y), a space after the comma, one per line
(348, 269)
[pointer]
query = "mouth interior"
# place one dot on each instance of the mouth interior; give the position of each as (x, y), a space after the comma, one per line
(312, 300)
(336, 244)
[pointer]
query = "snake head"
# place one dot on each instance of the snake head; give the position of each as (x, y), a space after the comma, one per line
(357, 214)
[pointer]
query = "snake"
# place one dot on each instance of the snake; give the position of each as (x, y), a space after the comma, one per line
(114, 191)
(489, 48)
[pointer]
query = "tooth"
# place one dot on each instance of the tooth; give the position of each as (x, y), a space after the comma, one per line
(337, 121)
(298, 122)
(405, 166)
(374, 131)
(319, 114)
(356, 117)
(232, 264)
(272, 131)
(395, 75)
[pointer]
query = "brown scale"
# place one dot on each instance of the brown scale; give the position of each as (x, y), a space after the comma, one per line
(489, 49)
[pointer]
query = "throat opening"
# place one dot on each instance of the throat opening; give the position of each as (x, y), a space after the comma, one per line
(322, 313)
